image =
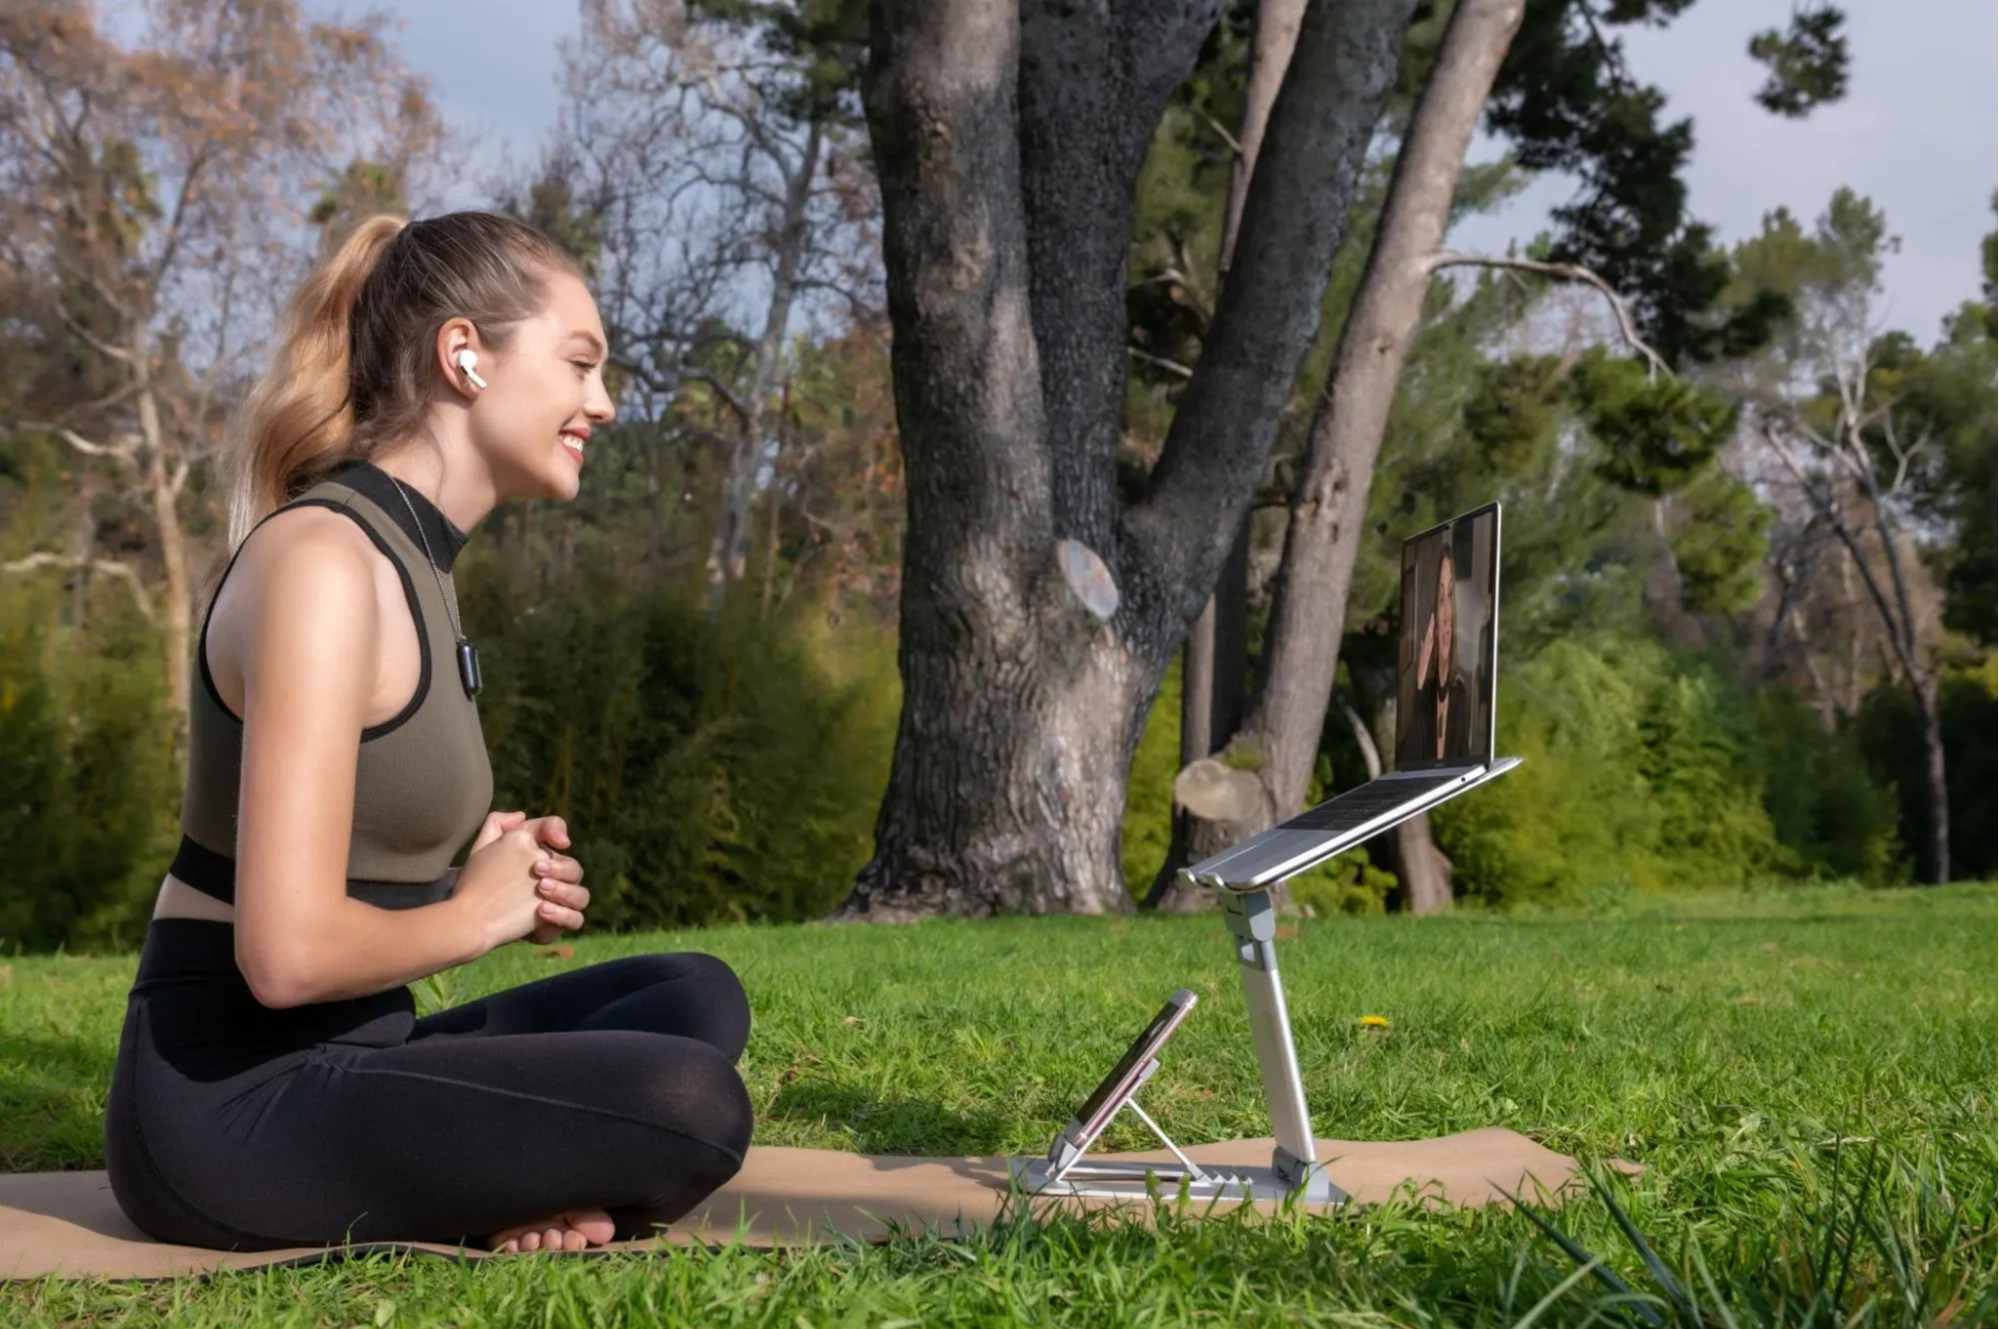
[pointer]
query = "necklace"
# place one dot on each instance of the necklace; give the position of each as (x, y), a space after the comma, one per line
(468, 654)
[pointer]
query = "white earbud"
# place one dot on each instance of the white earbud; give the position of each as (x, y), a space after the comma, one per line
(468, 361)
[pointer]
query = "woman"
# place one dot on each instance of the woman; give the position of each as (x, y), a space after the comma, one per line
(273, 1087)
(1439, 724)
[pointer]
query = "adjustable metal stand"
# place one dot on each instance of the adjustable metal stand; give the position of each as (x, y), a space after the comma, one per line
(1252, 920)
(1294, 1167)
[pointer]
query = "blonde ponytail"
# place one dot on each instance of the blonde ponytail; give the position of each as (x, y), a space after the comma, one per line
(299, 420)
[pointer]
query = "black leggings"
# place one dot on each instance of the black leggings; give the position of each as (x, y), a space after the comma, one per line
(233, 1125)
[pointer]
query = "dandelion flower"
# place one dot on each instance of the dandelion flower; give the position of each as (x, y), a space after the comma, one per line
(1374, 1022)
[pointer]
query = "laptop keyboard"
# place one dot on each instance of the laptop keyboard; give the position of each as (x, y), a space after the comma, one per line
(1366, 802)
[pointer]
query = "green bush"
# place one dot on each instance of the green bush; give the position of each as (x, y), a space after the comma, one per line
(710, 770)
(89, 796)
(1148, 801)
(1890, 733)
(1640, 771)
(1832, 817)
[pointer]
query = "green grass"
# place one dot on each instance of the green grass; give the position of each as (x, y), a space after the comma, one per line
(1808, 1077)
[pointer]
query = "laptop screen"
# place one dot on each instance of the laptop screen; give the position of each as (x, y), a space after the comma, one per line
(1449, 652)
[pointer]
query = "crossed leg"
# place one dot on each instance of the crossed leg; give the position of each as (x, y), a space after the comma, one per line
(682, 995)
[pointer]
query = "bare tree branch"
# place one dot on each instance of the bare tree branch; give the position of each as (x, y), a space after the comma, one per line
(1160, 362)
(1829, 512)
(111, 567)
(1235, 145)
(1626, 325)
(123, 452)
(721, 389)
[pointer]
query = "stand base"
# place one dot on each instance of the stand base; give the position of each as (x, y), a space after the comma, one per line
(1138, 1181)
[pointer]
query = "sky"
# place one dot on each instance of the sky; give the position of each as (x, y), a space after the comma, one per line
(1918, 131)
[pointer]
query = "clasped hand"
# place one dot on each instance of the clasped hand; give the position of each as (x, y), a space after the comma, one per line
(556, 879)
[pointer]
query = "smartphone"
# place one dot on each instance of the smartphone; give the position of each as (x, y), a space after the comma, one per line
(1129, 1073)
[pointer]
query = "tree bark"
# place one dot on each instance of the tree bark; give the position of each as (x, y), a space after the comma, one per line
(1269, 56)
(989, 806)
(1214, 673)
(1927, 697)
(1036, 617)
(728, 556)
(1322, 539)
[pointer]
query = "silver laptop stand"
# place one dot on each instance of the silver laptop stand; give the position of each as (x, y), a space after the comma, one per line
(1294, 1169)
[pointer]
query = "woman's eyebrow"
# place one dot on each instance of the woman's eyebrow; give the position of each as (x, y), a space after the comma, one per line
(591, 338)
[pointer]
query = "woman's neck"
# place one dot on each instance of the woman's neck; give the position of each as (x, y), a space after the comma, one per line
(464, 494)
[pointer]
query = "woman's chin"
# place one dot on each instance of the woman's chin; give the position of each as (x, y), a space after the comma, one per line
(562, 481)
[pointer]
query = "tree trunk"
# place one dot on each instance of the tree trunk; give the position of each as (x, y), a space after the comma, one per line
(1002, 795)
(1036, 616)
(1308, 612)
(1269, 56)
(1214, 673)
(177, 612)
(1420, 867)
(1927, 696)
(728, 555)
(774, 510)
(1213, 683)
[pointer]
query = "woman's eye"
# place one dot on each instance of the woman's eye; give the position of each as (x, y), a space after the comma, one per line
(585, 365)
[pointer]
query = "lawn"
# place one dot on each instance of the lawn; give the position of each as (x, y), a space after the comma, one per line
(1808, 1078)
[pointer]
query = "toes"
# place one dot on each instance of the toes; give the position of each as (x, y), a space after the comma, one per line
(595, 1225)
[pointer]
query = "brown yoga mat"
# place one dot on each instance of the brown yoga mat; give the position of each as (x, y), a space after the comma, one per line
(66, 1223)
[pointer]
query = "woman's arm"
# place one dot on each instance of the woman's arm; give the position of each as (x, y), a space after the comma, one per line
(310, 651)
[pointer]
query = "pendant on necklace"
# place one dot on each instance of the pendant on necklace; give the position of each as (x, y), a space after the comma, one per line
(468, 667)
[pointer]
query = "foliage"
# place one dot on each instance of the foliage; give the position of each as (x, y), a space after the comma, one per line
(710, 769)
(1946, 399)
(1747, 1049)
(1567, 101)
(88, 791)
(1890, 734)
(1832, 817)
(1807, 64)
(1148, 803)
(1721, 544)
(1655, 433)
(1638, 771)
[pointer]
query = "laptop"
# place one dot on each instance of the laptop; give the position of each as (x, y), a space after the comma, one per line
(1446, 679)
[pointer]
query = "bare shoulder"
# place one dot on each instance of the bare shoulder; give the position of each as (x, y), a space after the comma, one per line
(301, 603)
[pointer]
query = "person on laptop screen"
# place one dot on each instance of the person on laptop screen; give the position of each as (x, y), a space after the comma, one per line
(1446, 672)
(1440, 717)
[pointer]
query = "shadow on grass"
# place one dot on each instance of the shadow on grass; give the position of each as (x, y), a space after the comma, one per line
(52, 1095)
(888, 1125)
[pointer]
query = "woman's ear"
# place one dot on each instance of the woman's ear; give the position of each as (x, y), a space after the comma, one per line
(456, 337)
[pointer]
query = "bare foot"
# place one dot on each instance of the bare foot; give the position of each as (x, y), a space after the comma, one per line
(571, 1230)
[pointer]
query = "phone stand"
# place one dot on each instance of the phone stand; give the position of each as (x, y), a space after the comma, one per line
(1294, 1169)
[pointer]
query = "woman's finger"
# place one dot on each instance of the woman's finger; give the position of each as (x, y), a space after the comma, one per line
(560, 867)
(564, 893)
(548, 911)
(551, 831)
(496, 825)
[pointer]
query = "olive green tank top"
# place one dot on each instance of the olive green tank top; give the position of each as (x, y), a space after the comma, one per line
(423, 784)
